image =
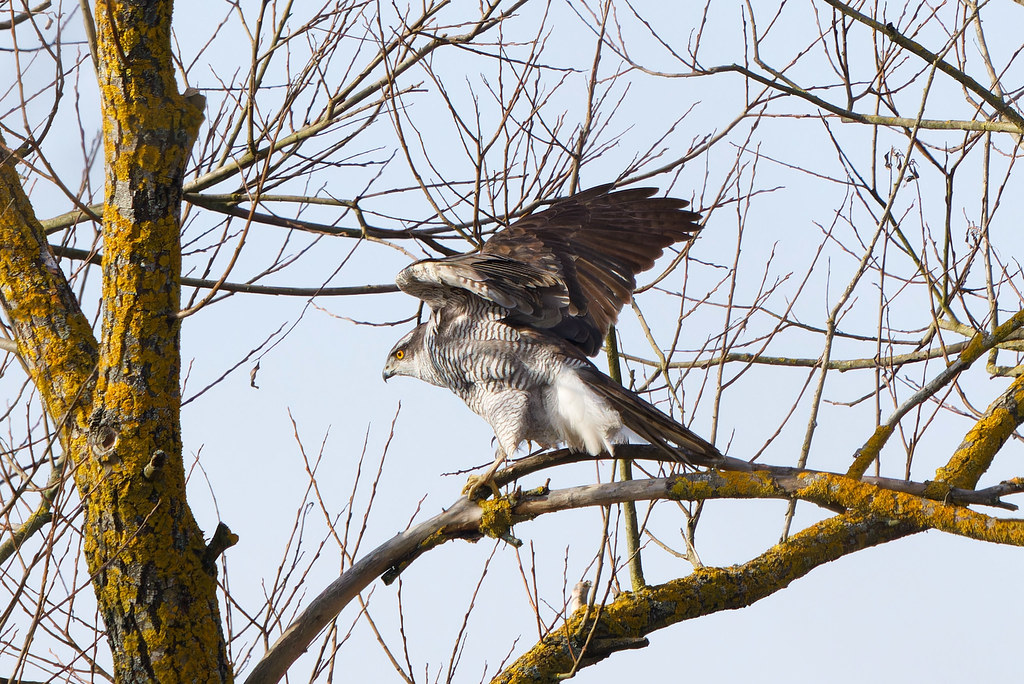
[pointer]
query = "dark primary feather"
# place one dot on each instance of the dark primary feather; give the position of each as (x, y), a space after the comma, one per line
(568, 269)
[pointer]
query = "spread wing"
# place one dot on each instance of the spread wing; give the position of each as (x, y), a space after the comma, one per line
(568, 269)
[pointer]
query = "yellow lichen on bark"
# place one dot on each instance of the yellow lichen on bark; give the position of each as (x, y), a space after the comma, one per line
(55, 341)
(726, 484)
(705, 591)
(974, 455)
(981, 343)
(496, 517)
(54, 338)
(873, 515)
(972, 351)
(835, 490)
(869, 452)
(147, 554)
(132, 524)
(845, 493)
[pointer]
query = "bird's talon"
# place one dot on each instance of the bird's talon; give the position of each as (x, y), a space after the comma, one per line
(476, 483)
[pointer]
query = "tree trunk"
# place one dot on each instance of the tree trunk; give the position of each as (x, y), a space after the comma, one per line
(118, 402)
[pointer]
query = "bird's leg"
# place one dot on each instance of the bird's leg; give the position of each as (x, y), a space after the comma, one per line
(476, 482)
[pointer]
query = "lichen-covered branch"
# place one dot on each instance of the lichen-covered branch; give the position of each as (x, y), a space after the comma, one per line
(975, 348)
(54, 339)
(829, 490)
(705, 591)
(974, 455)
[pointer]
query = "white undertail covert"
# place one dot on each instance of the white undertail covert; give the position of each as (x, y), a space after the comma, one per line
(584, 420)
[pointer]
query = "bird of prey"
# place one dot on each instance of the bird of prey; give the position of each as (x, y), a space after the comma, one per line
(511, 325)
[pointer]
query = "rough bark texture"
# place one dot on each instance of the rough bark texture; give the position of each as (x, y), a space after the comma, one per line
(118, 401)
(158, 599)
(633, 615)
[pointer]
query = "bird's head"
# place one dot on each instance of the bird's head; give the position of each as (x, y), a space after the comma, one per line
(404, 358)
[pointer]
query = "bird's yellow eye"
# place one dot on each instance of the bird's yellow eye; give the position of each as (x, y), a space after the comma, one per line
(400, 354)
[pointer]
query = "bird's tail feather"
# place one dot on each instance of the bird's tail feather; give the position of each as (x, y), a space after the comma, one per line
(651, 424)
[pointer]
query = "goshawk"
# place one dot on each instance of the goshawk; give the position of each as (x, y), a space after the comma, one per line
(511, 325)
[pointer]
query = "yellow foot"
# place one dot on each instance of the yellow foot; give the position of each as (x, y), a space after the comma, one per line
(476, 483)
(486, 480)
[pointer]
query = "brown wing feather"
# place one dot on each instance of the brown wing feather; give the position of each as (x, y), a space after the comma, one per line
(568, 269)
(596, 241)
(515, 285)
